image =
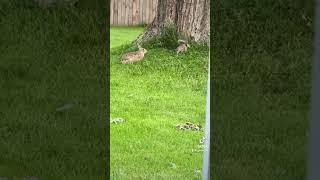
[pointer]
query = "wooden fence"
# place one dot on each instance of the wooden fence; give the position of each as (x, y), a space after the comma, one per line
(132, 12)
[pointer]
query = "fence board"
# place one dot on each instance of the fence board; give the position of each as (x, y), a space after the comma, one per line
(119, 12)
(147, 10)
(132, 12)
(140, 20)
(111, 15)
(115, 12)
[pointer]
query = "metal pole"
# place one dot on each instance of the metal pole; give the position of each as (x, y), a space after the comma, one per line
(313, 172)
(206, 142)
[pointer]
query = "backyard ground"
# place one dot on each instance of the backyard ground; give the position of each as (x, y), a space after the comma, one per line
(49, 59)
(153, 96)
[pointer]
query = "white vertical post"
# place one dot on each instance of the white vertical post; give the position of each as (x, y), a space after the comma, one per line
(206, 142)
(313, 172)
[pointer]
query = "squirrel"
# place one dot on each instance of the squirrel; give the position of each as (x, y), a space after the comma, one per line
(183, 46)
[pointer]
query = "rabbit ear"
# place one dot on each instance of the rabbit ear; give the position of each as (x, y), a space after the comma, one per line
(139, 46)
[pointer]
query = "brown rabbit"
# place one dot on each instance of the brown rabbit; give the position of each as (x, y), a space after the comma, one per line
(132, 57)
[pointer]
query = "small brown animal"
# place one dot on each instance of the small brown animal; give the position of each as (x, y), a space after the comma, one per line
(183, 46)
(132, 57)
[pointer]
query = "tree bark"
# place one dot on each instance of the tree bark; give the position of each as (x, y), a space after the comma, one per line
(191, 17)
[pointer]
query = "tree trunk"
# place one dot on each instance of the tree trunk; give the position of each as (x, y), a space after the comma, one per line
(191, 17)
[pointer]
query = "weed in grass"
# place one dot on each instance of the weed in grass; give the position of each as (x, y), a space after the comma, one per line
(166, 38)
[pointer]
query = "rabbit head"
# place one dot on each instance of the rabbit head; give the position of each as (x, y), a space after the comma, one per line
(143, 50)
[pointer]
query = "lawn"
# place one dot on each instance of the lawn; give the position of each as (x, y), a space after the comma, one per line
(49, 59)
(121, 36)
(154, 95)
(261, 60)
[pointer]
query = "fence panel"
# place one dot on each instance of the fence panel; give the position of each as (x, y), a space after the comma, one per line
(132, 12)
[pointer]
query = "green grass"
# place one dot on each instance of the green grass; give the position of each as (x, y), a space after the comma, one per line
(121, 36)
(153, 96)
(48, 59)
(261, 60)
